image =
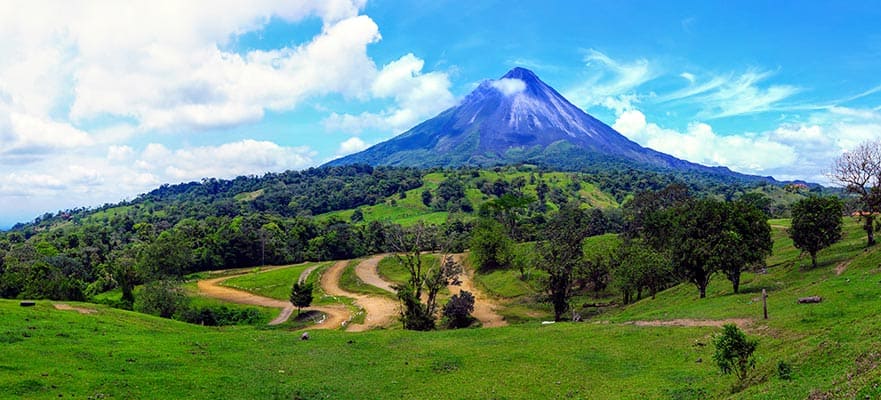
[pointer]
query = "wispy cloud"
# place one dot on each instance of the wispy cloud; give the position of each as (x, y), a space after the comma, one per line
(609, 78)
(729, 95)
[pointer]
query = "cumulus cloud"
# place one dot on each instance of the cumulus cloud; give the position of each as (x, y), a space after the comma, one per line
(245, 157)
(25, 137)
(351, 145)
(509, 86)
(416, 95)
(789, 151)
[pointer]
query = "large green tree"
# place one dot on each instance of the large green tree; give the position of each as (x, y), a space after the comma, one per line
(491, 247)
(561, 254)
(708, 236)
(816, 224)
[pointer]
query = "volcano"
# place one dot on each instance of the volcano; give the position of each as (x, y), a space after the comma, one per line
(518, 119)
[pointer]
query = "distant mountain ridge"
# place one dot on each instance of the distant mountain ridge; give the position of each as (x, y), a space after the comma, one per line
(520, 119)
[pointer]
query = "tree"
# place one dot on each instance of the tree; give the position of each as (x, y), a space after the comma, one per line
(859, 171)
(419, 313)
(426, 197)
(357, 216)
(301, 295)
(734, 352)
(458, 310)
(491, 247)
(707, 236)
(561, 253)
(816, 224)
(639, 267)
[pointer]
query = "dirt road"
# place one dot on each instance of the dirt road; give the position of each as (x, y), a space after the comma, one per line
(335, 315)
(380, 311)
(368, 273)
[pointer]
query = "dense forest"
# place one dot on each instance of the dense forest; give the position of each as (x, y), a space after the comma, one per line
(282, 218)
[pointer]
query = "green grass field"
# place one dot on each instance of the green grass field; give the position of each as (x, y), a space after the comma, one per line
(833, 347)
(274, 283)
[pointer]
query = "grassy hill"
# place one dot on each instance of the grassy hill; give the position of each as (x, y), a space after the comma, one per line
(832, 347)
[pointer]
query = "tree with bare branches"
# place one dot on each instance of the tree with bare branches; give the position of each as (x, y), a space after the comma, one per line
(419, 295)
(859, 172)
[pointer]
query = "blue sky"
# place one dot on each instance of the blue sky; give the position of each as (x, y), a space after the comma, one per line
(108, 100)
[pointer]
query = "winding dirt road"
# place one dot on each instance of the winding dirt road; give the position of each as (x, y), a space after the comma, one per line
(368, 272)
(380, 311)
(484, 308)
(334, 315)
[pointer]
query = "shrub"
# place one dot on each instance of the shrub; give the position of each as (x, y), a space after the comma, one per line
(734, 352)
(457, 311)
(163, 298)
(784, 370)
(219, 316)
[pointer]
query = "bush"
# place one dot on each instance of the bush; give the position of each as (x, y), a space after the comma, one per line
(163, 298)
(457, 311)
(734, 352)
(784, 370)
(219, 316)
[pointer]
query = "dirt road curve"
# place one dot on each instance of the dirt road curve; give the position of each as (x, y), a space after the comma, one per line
(335, 315)
(368, 273)
(484, 308)
(380, 311)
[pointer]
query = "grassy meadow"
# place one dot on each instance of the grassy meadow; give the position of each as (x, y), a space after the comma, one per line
(832, 347)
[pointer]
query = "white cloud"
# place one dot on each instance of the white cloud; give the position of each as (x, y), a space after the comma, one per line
(416, 96)
(120, 153)
(509, 86)
(25, 138)
(351, 145)
(609, 78)
(790, 151)
(245, 157)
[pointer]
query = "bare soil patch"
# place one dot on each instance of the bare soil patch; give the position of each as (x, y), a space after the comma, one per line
(839, 269)
(68, 307)
(687, 322)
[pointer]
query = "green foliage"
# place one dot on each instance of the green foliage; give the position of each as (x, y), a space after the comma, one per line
(163, 298)
(301, 295)
(784, 370)
(708, 236)
(734, 352)
(220, 315)
(491, 247)
(561, 253)
(457, 311)
(639, 267)
(816, 224)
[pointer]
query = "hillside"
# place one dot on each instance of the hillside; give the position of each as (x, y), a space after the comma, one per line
(625, 353)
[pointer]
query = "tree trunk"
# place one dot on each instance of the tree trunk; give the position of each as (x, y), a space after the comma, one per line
(735, 282)
(702, 286)
(869, 227)
(814, 260)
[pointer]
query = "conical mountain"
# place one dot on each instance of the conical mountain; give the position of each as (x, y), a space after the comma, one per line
(516, 119)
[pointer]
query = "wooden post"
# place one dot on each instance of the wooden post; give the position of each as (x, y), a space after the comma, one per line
(765, 302)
